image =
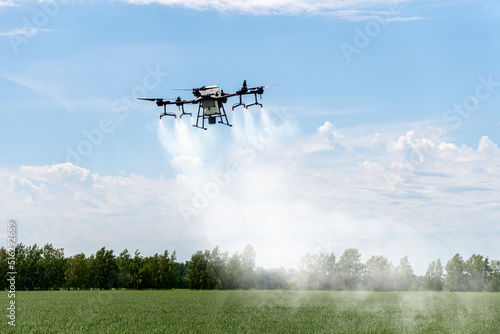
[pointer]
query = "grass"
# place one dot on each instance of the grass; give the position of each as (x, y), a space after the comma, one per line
(253, 312)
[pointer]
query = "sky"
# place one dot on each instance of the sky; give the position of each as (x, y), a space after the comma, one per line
(382, 135)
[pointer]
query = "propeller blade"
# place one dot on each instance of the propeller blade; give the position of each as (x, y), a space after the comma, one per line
(264, 86)
(156, 99)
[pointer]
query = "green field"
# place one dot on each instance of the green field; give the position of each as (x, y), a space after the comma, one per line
(253, 312)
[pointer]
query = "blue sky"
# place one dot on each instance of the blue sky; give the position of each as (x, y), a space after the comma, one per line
(382, 135)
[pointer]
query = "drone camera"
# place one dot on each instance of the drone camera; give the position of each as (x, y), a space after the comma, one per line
(211, 120)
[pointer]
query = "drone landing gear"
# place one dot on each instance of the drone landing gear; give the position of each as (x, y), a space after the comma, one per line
(239, 104)
(168, 114)
(212, 119)
(165, 113)
(255, 103)
(183, 112)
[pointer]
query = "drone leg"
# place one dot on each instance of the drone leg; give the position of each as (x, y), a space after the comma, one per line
(200, 110)
(183, 112)
(256, 103)
(239, 104)
(168, 114)
(165, 113)
(223, 113)
(197, 117)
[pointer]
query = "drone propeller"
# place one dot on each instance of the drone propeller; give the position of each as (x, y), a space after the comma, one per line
(156, 98)
(159, 101)
(195, 91)
(147, 99)
(264, 86)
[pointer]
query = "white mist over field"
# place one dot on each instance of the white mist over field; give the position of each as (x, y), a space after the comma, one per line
(239, 185)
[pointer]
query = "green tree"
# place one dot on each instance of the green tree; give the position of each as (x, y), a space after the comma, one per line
(124, 261)
(76, 274)
(90, 264)
(404, 276)
(169, 271)
(196, 273)
(208, 270)
(494, 281)
(181, 278)
(20, 256)
(234, 273)
(478, 271)
(135, 269)
(216, 269)
(247, 260)
(4, 268)
(315, 272)
(105, 269)
(433, 279)
(53, 266)
(271, 279)
(30, 264)
(456, 278)
(150, 272)
(378, 274)
(349, 270)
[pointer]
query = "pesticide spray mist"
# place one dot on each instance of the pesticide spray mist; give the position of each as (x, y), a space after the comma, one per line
(238, 185)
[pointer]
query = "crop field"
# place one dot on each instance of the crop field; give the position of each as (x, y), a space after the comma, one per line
(253, 312)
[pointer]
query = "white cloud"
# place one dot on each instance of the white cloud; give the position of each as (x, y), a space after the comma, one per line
(343, 8)
(420, 148)
(331, 137)
(326, 139)
(187, 162)
(487, 148)
(41, 87)
(56, 173)
(26, 31)
(7, 3)
(352, 10)
(402, 19)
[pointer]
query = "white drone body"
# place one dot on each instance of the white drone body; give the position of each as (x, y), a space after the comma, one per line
(210, 106)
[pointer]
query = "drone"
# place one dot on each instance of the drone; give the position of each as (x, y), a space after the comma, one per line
(210, 100)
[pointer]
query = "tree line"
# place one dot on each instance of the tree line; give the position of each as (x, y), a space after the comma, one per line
(46, 268)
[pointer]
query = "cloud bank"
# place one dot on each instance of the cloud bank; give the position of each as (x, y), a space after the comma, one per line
(284, 193)
(26, 31)
(345, 8)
